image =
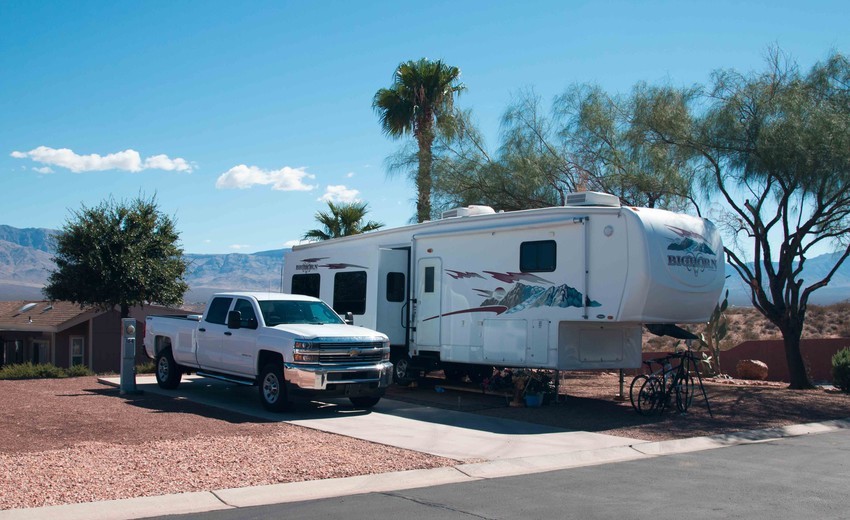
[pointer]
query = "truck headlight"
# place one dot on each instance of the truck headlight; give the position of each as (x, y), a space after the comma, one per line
(305, 358)
(386, 347)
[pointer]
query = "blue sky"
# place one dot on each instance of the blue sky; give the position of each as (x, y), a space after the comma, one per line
(243, 117)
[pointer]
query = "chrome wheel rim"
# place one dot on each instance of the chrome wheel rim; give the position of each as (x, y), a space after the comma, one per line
(162, 368)
(271, 388)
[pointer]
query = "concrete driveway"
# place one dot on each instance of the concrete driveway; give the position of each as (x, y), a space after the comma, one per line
(457, 435)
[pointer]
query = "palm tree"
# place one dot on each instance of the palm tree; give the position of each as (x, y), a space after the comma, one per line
(343, 220)
(420, 99)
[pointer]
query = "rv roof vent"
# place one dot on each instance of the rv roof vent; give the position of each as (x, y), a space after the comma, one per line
(592, 198)
(468, 211)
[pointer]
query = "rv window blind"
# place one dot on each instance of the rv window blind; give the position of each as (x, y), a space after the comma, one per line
(395, 287)
(350, 292)
(306, 284)
(429, 279)
(537, 257)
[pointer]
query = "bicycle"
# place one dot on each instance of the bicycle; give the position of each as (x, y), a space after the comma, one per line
(656, 390)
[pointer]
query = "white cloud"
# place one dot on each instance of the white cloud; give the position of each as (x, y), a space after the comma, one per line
(285, 179)
(239, 247)
(339, 193)
(349, 174)
(44, 169)
(127, 160)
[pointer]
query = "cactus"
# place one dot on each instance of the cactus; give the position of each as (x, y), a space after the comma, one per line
(715, 332)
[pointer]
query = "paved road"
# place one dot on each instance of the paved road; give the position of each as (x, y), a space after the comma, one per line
(799, 477)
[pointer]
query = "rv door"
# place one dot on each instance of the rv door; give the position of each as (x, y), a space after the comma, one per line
(428, 295)
(393, 275)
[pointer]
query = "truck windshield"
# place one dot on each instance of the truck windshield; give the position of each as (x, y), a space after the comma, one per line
(276, 312)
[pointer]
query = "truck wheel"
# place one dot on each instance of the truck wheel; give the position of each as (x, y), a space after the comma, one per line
(273, 388)
(364, 401)
(401, 371)
(168, 374)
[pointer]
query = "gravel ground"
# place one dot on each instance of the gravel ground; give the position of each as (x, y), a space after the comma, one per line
(74, 440)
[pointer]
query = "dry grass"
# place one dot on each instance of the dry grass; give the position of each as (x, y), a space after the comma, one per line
(747, 324)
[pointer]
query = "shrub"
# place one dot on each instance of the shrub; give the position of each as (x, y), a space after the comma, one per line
(30, 371)
(841, 369)
(79, 371)
(146, 368)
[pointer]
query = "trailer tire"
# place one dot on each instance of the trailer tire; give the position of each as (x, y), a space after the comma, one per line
(402, 372)
(365, 401)
(167, 371)
(272, 388)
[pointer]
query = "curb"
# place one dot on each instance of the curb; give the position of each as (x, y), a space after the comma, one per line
(235, 498)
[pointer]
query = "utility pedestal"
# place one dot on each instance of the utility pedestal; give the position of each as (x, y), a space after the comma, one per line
(128, 356)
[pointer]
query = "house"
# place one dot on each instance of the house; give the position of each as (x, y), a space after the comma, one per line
(65, 334)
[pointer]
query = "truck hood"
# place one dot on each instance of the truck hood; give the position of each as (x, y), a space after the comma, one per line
(310, 331)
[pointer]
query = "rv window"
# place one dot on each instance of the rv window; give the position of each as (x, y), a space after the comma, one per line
(535, 257)
(395, 287)
(429, 279)
(218, 310)
(306, 284)
(350, 292)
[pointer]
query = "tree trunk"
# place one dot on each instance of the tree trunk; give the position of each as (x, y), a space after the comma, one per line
(796, 368)
(423, 175)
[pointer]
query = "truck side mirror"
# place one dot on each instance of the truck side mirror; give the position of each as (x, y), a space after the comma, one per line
(349, 318)
(234, 319)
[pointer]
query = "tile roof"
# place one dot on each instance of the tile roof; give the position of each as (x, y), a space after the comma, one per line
(39, 315)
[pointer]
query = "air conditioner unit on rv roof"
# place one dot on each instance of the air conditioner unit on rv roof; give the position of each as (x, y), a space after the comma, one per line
(468, 211)
(592, 198)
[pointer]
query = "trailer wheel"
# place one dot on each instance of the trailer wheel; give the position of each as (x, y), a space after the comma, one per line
(365, 401)
(272, 387)
(402, 373)
(168, 374)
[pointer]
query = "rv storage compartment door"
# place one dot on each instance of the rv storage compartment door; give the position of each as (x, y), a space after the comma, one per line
(505, 341)
(592, 346)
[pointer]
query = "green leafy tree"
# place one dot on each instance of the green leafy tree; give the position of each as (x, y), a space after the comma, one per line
(774, 147)
(118, 254)
(420, 102)
(342, 220)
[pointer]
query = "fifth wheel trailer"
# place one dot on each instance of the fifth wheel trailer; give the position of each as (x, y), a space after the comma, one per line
(566, 287)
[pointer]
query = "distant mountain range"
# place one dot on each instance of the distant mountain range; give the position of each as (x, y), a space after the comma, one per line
(26, 261)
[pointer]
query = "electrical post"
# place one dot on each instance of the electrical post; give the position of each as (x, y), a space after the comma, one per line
(128, 356)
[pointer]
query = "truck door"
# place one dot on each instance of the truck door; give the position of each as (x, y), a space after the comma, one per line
(429, 301)
(211, 334)
(239, 344)
(392, 317)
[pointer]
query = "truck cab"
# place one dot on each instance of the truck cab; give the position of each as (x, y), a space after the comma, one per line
(290, 346)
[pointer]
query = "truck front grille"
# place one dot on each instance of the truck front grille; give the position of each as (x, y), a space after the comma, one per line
(349, 353)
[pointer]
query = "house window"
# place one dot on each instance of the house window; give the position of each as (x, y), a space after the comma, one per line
(77, 345)
(217, 312)
(537, 257)
(40, 352)
(350, 292)
(395, 287)
(306, 284)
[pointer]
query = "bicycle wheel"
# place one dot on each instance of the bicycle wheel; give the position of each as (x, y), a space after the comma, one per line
(684, 386)
(650, 396)
(634, 389)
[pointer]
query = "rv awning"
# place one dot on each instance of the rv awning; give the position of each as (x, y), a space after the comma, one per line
(670, 329)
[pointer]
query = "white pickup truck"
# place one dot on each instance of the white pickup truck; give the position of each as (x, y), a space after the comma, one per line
(288, 345)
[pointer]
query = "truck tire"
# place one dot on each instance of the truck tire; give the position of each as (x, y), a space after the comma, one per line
(168, 374)
(273, 388)
(365, 401)
(402, 373)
